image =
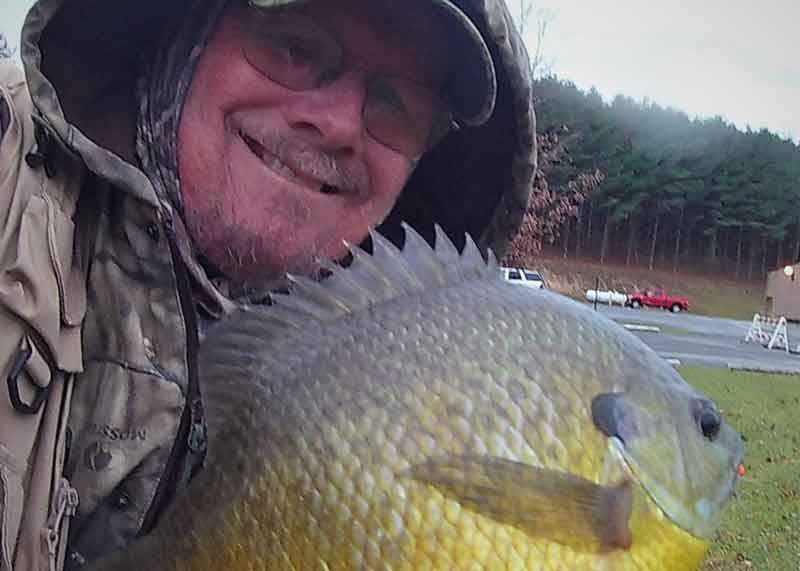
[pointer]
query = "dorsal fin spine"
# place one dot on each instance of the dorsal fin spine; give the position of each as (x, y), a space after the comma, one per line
(388, 273)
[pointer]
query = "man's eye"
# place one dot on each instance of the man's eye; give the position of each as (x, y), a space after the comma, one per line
(385, 95)
(295, 51)
(298, 52)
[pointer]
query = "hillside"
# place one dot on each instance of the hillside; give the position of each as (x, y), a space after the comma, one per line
(631, 181)
(709, 295)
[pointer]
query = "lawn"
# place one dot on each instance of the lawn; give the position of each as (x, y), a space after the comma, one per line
(761, 527)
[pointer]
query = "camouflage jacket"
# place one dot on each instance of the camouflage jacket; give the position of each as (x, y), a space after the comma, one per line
(119, 329)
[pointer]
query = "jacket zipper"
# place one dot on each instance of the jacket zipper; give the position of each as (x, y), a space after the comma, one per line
(189, 444)
(65, 504)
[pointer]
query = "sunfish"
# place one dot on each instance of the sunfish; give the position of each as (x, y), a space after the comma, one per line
(414, 411)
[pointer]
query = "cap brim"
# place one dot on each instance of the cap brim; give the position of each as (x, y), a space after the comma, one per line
(472, 84)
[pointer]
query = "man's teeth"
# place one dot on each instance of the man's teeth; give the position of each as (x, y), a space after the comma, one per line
(279, 167)
(275, 164)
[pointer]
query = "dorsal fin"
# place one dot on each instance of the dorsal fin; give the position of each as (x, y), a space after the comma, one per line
(235, 348)
(386, 274)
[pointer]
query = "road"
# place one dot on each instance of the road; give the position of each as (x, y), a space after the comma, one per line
(705, 341)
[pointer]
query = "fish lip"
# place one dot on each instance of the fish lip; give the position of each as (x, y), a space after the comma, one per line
(735, 477)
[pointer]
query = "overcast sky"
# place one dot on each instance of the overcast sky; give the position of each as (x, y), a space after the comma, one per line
(736, 58)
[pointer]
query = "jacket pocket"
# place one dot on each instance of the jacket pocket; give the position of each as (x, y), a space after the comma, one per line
(28, 378)
(27, 449)
(69, 275)
(43, 286)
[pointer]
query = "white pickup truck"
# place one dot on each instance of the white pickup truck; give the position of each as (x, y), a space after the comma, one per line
(523, 277)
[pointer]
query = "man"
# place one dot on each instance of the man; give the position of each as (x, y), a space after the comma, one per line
(164, 161)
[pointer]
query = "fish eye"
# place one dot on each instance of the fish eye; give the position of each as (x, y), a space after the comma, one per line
(709, 424)
(708, 418)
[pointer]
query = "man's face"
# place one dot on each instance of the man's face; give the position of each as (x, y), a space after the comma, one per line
(272, 177)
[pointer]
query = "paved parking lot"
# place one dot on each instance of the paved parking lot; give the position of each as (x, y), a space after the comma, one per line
(706, 341)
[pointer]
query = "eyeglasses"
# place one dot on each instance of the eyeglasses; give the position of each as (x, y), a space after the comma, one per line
(295, 52)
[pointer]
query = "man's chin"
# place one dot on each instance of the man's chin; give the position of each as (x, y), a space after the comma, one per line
(260, 271)
(246, 260)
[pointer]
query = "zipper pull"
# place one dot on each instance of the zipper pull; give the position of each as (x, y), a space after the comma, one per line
(65, 504)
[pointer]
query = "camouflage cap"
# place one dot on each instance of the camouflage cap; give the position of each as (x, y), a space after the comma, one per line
(471, 86)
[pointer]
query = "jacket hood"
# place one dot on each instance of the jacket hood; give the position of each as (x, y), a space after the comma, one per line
(83, 59)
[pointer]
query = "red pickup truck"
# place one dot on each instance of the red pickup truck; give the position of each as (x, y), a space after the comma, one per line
(657, 298)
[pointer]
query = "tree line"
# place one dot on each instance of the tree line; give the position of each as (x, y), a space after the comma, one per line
(663, 190)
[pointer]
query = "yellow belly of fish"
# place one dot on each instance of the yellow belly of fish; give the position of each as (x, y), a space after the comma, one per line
(416, 530)
(336, 500)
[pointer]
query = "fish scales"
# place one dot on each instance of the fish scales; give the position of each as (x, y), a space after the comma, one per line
(446, 424)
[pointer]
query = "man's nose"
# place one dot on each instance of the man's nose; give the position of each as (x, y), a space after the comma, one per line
(332, 114)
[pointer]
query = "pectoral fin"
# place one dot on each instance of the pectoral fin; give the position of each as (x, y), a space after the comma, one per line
(543, 503)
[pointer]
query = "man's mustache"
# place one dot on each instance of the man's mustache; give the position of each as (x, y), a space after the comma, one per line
(313, 162)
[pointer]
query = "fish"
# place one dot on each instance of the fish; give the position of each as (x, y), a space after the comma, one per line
(412, 411)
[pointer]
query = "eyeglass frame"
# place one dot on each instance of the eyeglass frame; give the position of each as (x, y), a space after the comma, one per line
(441, 115)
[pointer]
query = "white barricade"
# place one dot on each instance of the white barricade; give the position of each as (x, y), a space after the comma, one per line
(772, 332)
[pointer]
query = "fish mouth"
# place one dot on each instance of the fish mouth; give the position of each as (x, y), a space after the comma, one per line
(700, 520)
(284, 168)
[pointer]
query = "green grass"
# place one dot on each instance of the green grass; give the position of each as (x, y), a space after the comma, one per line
(708, 294)
(761, 526)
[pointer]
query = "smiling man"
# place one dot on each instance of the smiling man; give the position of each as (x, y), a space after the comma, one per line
(163, 162)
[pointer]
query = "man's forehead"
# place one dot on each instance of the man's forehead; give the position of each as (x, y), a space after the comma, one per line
(393, 18)
(418, 17)
(414, 26)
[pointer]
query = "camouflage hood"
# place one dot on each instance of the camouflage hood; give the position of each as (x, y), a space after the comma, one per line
(85, 85)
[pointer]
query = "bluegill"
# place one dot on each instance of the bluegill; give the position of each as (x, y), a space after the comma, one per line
(414, 411)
